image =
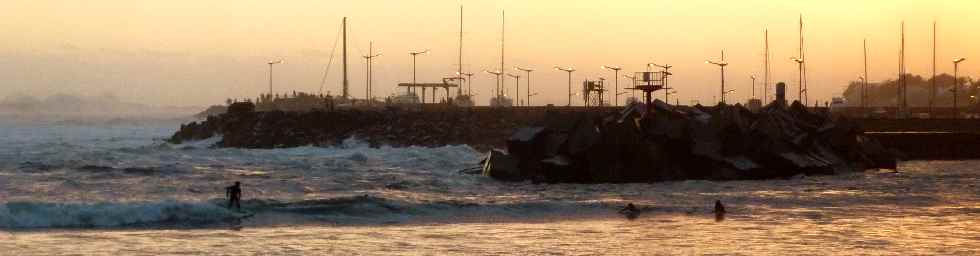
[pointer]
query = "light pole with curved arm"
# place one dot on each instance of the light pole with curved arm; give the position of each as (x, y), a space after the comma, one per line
(569, 70)
(615, 70)
(528, 84)
(722, 65)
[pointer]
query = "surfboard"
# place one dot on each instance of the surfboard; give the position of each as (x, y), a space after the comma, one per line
(239, 215)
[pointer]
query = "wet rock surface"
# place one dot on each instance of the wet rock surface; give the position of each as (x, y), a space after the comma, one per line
(677, 143)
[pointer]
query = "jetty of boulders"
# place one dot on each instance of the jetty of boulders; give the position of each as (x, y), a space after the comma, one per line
(637, 143)
(661, 142)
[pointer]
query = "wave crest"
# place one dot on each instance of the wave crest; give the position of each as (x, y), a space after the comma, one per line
(69, 215)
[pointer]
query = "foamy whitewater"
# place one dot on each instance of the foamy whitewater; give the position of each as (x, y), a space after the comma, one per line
(118, 187)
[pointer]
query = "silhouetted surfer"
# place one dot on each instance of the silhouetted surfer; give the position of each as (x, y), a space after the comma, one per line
(630, 211)
(234, 194)
(719, 211)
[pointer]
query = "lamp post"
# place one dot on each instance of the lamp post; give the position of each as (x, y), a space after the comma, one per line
(517, 83)
(528, 84)
(414, 54)
(864, 81)
(722, 65)
(753, 86)
(569, 70)
(367, 59)
(666, 74)
(615, 70)
(270, 74)
(497, 88)
(469, 83)
(799, 62)
(633, 82)
(956, 84)
(725, 93)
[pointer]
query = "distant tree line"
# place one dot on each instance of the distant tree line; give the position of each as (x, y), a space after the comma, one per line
(885, 93)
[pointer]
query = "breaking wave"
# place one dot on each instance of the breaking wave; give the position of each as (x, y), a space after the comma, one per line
(341, 210)
(81, 215)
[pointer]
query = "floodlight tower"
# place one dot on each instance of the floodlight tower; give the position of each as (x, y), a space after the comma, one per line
(615, 70)
(569, 70)
(722, 65)
(270, 73)
(753, 85)
(956, 84)
(527, 84)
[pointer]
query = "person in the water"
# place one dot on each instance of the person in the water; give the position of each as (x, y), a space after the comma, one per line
(719, 211)
(630, 211)
(234, 194)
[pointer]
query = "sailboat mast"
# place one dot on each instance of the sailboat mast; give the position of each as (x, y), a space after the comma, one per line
(459, 67)
(503, 21)
(346, 94)
(765, 83)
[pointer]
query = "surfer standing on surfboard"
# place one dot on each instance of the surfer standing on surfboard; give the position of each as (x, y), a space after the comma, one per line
(234, 194)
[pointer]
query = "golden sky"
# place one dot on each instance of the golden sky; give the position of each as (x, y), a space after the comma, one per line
(200, 52)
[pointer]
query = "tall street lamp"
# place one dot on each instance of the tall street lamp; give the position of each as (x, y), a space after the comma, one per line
(633, 82)
(722, 65)
(270, 74)
(753, 86)
(517, 82)
(864, 82)
(527, 84)
(414, 54)
(569, 70)
(615, 70)
(956, 84)
(799, 62)
(666, 74)
(469, 83)
(368, 59)
(497, 88)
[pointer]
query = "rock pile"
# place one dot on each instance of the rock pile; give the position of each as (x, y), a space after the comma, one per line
(677, 143)
(243, 127)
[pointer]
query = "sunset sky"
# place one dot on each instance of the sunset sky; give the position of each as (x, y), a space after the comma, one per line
(201, 52)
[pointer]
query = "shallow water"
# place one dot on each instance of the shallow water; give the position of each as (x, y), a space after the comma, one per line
(110, 189)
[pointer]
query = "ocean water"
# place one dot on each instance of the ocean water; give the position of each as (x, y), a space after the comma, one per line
(94, 188)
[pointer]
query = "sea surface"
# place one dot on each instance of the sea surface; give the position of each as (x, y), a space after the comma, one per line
(117, 188)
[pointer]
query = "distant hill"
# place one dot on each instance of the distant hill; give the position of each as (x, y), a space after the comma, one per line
(73, 106)
(885, 93)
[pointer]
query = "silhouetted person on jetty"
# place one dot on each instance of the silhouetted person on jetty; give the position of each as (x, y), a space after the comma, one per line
(719, 211)
(234, 194)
